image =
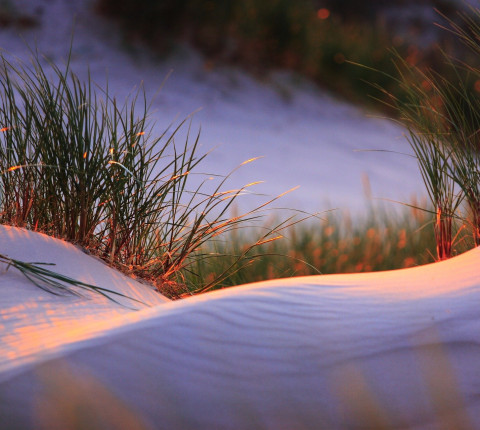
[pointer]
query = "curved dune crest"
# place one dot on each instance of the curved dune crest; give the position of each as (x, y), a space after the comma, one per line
(33, 322)
(397, 348)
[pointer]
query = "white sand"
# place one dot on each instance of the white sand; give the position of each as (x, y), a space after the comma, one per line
(33, 321)
(296, 353)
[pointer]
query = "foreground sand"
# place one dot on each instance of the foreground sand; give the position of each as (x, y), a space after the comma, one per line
(324, 352)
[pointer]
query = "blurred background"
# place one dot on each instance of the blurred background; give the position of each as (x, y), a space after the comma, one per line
(317, 38)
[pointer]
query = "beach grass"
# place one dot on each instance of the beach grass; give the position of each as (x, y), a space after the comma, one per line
(441, 114)
(78, 165)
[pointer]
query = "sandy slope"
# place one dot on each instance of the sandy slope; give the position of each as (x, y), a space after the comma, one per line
(34, 322)
(294, 353)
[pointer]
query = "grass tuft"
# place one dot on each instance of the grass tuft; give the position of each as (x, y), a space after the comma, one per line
(57, 284)
(78, 165)
(441, 112)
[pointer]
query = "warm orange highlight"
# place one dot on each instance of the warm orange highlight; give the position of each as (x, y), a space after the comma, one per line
(323, 13)
(179, 176)
(263, 242)
(427, 85)
(141, 133)
(11, 169)
(253, 183)
(4, 129)
(250, 160)
(477, 86)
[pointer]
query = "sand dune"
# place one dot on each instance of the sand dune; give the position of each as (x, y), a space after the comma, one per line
(312, 352)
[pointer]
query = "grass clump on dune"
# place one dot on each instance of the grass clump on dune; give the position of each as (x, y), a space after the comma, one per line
(78, 165)
(442, 115)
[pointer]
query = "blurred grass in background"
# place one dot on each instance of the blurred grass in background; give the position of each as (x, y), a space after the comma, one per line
(317, 38)
(12, 15)
(386, 237)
